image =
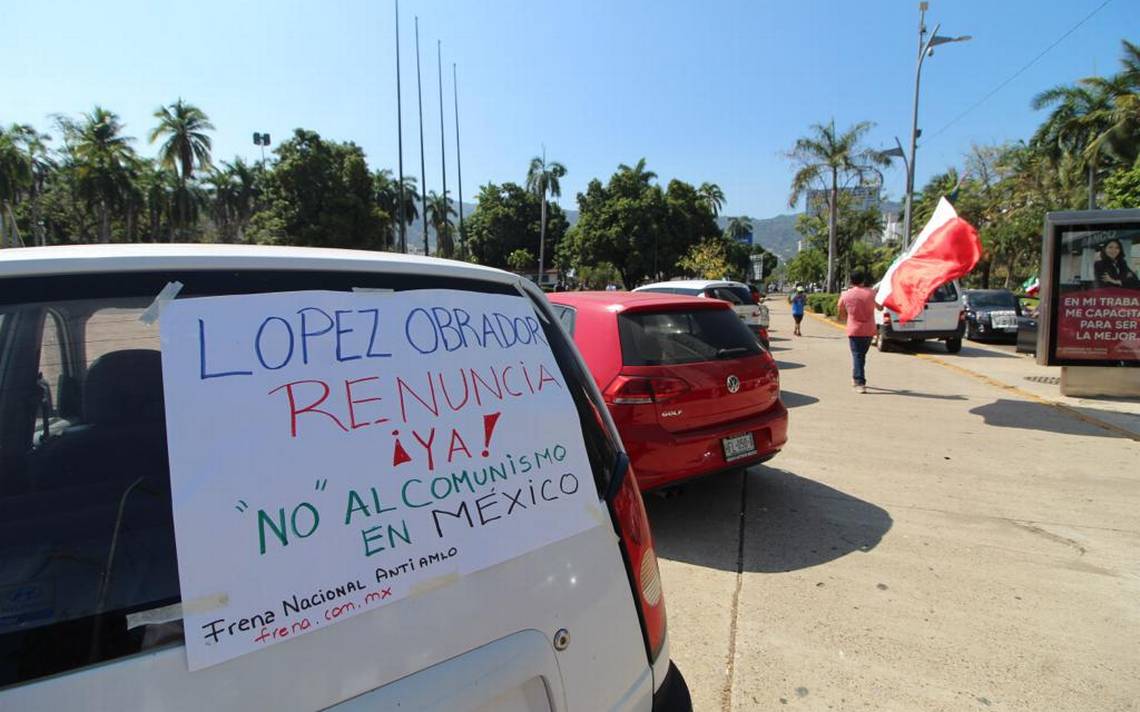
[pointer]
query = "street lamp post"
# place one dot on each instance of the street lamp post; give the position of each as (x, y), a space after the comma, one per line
(899, 152)
(925, 49)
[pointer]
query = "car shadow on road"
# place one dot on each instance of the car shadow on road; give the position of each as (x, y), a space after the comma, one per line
(877, 391)
(1028, 415)
(790, 523)
(788, 365)
(792, 399)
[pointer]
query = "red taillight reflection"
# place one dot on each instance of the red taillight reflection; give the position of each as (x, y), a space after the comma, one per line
(640, 390)
(633, 528)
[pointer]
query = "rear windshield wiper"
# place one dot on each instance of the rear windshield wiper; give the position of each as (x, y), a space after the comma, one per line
(733, 351)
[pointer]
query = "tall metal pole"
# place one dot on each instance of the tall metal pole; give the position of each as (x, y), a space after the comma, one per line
(543, 179)
(458, 162)
(442, 146)
(423, 170)
(914, 126)
(400, 140)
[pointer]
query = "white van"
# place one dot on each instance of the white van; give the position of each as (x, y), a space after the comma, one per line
(942, 318)
(101, 606)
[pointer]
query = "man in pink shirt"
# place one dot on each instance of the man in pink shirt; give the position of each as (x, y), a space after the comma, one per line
(857, 306)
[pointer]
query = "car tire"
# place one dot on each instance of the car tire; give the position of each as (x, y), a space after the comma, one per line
(883, 346)
(972, 331)
(954, 345)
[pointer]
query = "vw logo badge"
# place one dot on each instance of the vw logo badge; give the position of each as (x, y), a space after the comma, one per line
(733, 384)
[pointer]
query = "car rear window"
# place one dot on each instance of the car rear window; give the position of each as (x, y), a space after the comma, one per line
(683, 336)
(689, 291)
(946, 293)
(732, 295)
(86, 531)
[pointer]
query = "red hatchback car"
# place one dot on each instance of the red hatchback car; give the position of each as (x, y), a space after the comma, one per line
(690, 389)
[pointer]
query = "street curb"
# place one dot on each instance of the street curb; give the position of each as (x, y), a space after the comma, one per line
(961, 370)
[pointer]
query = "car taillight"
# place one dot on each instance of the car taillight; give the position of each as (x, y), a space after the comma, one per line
(961, 316)
(638, 390)
(755, 296)
(641, 560)
(887, 318)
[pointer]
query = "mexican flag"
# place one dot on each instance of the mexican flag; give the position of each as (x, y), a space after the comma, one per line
(946, 249)
(1031, 286)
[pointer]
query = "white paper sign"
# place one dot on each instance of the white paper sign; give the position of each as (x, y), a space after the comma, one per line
(331, 451)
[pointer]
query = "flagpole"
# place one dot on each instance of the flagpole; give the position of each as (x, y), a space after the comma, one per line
(442, 145)
(423, 170)
(458, 162)
(400, 139)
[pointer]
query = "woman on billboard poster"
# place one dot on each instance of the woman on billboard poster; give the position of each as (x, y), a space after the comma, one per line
(1112, 270)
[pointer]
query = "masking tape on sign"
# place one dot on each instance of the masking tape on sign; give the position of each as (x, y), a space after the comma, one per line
(168, 293)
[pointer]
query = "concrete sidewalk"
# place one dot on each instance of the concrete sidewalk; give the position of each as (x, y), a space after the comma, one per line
(1020, 373)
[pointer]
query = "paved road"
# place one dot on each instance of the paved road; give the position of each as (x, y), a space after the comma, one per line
(939, 543)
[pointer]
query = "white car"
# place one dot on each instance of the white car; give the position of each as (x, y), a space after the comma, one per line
(942, 318)
(118, 593)
(753, 314)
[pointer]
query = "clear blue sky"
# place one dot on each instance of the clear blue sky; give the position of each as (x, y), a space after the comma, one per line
(714, 91)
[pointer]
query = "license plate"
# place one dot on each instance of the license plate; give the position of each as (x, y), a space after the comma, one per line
(738, 446)
(1005, 321)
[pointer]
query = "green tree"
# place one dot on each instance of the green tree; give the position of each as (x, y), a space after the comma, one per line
(851, 227)
(186, 146)
(634, 225)
(320, 194)
(439, 212)
(507, 218)
(599, 276)
(15, 179)
(739, 228)
(707, 259)
(712, 196)
(809, 265)
(520, 260)
(1122, 189)
(387, 195)
(542, 179)
(105, 164)
(828, 159)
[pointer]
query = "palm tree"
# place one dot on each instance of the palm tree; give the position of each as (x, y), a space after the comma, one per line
(387, 191)
(739, 228)
(438, 212)
(638, 172)
(1080, 114)
(15, 177)
(157, 187)
(1121, 139)
(187, 145)
(245, 191)
(825, 158)
(712, 196)
(543, 178)
(104, 163)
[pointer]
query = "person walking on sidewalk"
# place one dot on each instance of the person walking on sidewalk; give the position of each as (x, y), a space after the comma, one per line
(857, 307)
(798, 300)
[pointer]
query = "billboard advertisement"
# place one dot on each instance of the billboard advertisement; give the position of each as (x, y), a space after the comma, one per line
(1090, 304)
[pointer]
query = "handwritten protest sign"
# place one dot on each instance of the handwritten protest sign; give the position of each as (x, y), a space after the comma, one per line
(331, 451)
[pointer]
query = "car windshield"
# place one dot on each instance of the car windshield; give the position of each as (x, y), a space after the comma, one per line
(87, 550)
(1004, 300)
(683, 336)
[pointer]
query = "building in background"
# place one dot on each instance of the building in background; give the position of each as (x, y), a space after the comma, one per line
(862, 197)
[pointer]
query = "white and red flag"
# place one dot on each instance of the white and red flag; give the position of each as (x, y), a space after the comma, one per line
(946, 249)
